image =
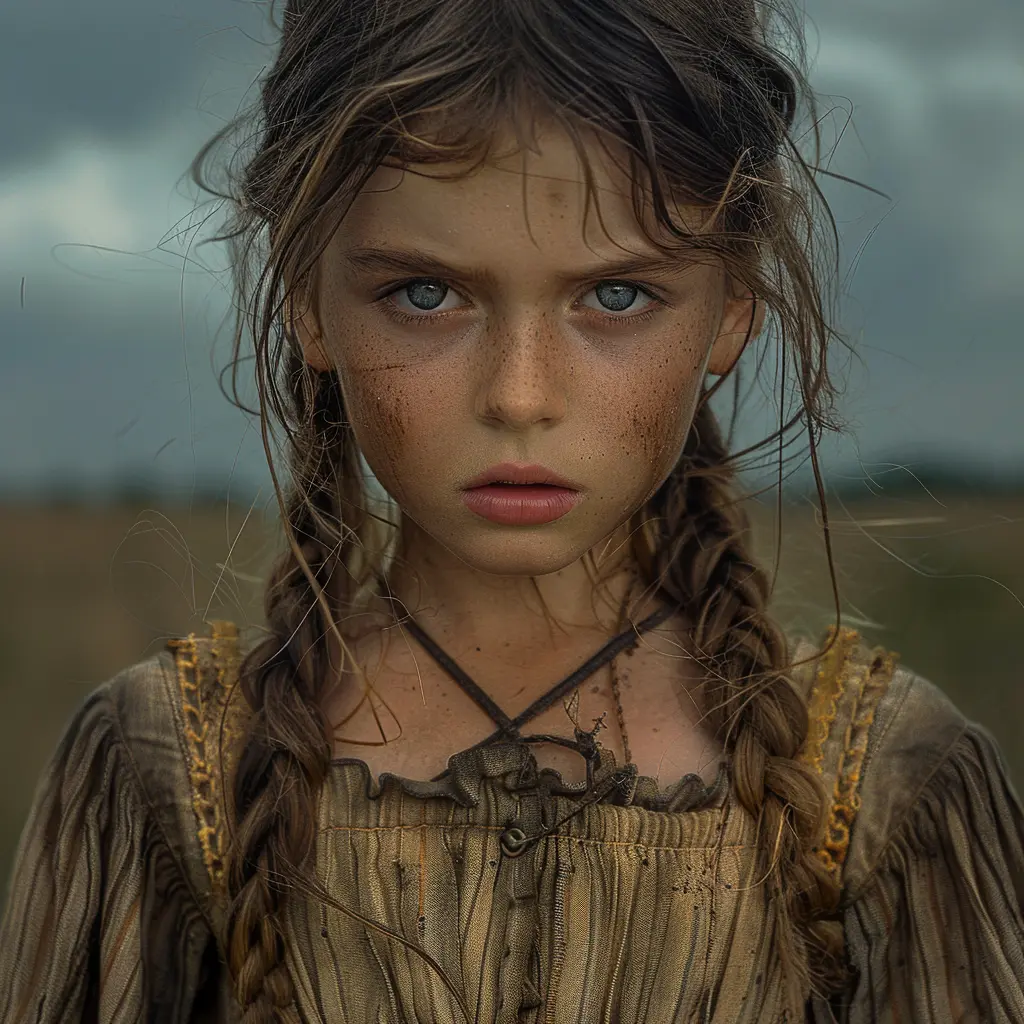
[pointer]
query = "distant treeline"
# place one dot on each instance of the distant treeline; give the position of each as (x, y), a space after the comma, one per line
(909, 479)
(135, 491)
(896, 478)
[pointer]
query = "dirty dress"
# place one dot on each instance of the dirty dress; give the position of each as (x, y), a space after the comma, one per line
(641, 905)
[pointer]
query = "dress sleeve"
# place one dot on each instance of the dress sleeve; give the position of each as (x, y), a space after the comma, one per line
(99, 925)
(936, 934)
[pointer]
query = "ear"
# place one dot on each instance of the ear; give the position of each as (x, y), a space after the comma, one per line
(309, 338)
(732, 333)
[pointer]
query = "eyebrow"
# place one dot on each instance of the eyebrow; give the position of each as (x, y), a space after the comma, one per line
(420, 262)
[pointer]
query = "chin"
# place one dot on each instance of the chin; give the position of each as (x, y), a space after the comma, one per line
(522, 552)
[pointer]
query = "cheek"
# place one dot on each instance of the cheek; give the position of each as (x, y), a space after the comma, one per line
(657, 413)
(378, 409)
(388, 419)
(375, 387)
(652, 427)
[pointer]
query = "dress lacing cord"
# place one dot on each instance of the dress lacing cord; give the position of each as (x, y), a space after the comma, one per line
(514, 840)
(508, 728)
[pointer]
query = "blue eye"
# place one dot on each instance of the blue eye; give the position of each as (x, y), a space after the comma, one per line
(618, 297)
(426, 295)
(423, 296)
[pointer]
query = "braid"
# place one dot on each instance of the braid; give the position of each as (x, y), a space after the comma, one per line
(340, 101)
(278, 779)
(760, 716)
(286, 755)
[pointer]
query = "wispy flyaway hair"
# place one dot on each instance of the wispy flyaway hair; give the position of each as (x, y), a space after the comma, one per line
(700, 101)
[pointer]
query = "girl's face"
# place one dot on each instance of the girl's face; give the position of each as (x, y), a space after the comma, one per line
(472, 322)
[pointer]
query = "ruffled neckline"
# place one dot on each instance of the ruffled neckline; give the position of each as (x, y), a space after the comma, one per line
(514, 765)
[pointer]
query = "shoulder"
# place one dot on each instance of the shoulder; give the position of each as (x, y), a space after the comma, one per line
(932, 868)
(163, 709)
(143, 712)
(170, 716)
(878, 734)
(130, 715)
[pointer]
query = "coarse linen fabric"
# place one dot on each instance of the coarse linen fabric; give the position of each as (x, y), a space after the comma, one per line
(642, 906)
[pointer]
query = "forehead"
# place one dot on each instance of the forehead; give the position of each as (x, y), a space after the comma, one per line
(539, 193)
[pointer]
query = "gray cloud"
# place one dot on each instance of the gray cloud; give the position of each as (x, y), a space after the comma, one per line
(101, 380)
(101, 111)
(110, 69)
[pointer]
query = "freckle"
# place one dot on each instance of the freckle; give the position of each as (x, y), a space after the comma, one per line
(595, 689)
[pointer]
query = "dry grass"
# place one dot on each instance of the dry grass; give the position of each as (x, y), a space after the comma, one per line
(86, 592)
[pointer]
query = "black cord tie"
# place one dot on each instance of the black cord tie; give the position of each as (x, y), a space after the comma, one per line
(508, 728)
(514, 840)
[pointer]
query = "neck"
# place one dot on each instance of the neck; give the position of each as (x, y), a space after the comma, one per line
(494, 627)
(503, 618)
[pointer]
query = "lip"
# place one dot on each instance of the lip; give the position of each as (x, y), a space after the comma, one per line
(521, 505)
(520, 473)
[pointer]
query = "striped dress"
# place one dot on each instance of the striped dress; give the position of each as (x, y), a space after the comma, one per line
(643, 905)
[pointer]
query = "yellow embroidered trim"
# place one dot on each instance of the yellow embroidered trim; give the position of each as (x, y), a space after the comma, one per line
(828, 688)
(874, 681)
(206, 722)
(204, 802)
(844, 674)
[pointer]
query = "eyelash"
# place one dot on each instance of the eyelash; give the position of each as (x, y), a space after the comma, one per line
(402, 317)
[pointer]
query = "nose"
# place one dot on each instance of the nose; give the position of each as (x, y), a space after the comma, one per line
(525, 364)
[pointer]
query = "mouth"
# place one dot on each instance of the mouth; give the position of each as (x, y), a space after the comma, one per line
(515, 504)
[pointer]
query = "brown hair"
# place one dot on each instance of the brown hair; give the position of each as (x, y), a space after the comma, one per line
(703, 98)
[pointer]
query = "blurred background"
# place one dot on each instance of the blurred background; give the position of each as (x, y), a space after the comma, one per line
(135, 502)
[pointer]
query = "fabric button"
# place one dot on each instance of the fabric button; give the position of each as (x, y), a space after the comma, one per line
(513, 841)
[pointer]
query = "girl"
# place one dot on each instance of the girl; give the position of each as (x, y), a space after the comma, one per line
(533, 748)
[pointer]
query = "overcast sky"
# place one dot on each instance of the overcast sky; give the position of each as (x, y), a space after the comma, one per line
(107, 368)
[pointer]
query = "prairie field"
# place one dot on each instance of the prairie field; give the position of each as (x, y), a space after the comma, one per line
(88, 590)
